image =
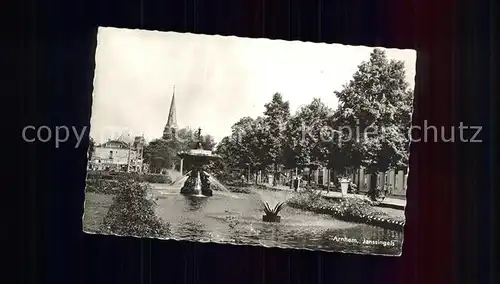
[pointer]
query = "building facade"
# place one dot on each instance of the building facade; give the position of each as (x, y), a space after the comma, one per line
(119, 155)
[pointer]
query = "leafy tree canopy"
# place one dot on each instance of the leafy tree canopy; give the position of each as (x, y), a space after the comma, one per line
(159, 154)
(276, 116)
(375, 110)
(307, 135)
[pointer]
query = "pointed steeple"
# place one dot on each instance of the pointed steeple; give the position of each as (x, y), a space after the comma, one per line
(172, 119)
(172, 115)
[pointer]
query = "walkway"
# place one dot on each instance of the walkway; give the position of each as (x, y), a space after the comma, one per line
(388, 202)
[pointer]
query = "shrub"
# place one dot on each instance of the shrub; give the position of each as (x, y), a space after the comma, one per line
(102, 186)
(133, 213)
(237, 183)
(99, 175)
(156, 178)
(138, 177)
(266, 187)
(239, 189)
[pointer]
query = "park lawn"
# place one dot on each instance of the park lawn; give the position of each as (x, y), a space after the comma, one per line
(96, 208)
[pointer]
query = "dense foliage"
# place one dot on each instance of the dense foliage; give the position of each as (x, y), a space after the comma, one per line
(369, 128)
(102, 186)
(159, 154)
(378, 105)
(306, 144)
(133, 213)
(138, 177)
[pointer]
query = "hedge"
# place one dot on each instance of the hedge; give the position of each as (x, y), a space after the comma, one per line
(102, 186)
(138, 177)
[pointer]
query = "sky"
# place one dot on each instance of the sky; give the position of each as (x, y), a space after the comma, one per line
(217, 79)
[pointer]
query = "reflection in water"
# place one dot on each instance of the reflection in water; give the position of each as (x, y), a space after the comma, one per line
(222, 218)
(194, 202)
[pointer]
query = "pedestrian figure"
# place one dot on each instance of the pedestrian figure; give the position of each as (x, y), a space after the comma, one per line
(296, 183)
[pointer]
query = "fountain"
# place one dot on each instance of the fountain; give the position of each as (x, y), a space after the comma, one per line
(197, 182)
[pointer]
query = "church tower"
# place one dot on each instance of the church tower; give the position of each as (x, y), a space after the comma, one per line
(171, 127)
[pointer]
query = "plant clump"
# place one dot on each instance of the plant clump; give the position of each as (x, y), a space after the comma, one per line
(271, 214)
(274, 211)
(133, 213)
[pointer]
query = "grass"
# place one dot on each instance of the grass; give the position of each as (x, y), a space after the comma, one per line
(96, 208)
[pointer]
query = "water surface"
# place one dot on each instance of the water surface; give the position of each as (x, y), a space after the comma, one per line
(237, 218)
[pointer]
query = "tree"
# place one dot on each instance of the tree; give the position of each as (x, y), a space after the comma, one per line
(245, 147)
(222, 167)
(226, 149)
(187, 138)
(208, 142)
(183, 140)
(276, 116)
(308, 136)
(158, 154)
(376, 104)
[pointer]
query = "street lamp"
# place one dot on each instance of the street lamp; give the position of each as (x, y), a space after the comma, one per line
(248, 175)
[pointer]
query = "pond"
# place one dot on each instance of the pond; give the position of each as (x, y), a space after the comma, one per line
(237, 218)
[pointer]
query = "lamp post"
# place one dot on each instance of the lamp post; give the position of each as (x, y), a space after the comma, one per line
(128, 156)
(248, 174)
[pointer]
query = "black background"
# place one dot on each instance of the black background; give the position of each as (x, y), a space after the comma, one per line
(448, 237)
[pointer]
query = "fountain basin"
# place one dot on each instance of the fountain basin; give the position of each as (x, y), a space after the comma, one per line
(190, 191)
(207, 192)
(271, 218)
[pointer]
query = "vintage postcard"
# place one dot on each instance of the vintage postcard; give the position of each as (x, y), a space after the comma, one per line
(249, 141)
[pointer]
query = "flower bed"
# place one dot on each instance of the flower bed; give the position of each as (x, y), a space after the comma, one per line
(267, 187)
(240, 189)
(347, 209)
(155, 178)
(247, 188)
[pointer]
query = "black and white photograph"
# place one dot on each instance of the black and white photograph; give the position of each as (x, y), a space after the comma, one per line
(249, 141)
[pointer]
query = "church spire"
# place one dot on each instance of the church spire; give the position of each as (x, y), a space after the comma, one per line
(172, 115)
(172, 118)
